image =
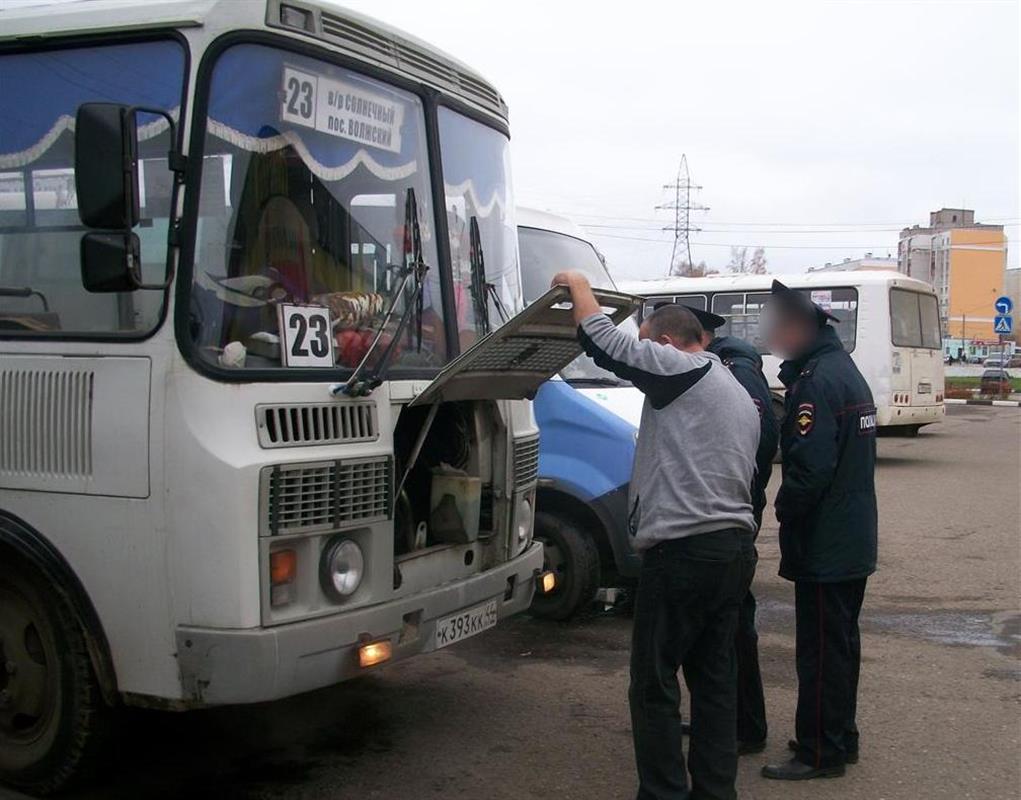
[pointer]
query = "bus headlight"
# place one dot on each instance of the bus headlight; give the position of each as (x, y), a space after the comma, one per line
(341, 568)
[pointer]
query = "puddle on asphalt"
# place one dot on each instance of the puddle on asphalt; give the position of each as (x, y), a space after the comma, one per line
(954, 628)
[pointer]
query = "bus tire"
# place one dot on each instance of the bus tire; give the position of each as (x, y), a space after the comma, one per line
(573, 556)
(54, 723)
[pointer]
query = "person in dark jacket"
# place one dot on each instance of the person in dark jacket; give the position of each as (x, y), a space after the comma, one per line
(826, 507)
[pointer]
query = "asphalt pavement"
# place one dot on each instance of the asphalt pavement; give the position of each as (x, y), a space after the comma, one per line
(538, 710)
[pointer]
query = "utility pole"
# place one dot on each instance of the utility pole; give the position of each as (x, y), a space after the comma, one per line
(682, 207)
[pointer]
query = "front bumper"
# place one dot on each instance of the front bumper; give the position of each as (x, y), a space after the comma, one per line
(248, 666)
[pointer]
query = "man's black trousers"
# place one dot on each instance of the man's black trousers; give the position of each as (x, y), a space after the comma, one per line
(829, 661)
(751, 701)
(686, 614)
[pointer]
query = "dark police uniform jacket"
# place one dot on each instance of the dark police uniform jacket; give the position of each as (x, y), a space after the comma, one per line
(827, 500)
(746, 365)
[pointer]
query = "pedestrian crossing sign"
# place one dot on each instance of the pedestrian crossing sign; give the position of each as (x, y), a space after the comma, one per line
(1003, 325)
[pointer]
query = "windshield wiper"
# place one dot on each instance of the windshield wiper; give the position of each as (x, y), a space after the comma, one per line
(482, 291)
(413, 269)
(477, 263)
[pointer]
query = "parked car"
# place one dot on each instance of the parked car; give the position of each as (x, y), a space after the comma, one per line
(995, 382)
(974, 359)
(995, 362)
(1014, 362)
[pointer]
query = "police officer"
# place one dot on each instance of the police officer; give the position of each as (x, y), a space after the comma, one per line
(828, 526)
(745, 364)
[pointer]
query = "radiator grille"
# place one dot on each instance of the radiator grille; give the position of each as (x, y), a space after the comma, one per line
(407, 57)
(46, 422)
(526, 461)
(315, 423)
(326, 495)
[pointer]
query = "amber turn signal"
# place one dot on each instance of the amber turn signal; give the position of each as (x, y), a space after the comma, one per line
(547, 582)
(283, 566)
(374, 653)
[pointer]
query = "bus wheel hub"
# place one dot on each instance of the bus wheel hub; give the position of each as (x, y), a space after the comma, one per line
(23, 679)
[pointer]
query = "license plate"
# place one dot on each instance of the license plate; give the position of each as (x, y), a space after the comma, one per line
(465, 624)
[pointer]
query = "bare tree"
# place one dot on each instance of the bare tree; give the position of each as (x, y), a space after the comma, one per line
(738, 259)
(757, 266)
(681, 268)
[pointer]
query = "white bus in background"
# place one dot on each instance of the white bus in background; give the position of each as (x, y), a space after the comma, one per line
(260, 427)
(889, 324)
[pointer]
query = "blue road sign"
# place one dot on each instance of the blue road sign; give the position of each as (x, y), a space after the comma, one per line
(1003, 305)
(1003, 325)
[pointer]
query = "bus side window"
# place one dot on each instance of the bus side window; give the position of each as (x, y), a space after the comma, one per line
(731, 308)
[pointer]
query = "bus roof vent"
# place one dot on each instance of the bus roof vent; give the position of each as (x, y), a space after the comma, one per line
(301, 425)
(414, 60)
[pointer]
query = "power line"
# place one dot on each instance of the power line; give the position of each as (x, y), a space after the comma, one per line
(899, 225)
(856, 246)
(611, 226)
(682, 208)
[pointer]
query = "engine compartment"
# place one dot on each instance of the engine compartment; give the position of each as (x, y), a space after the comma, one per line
(444, 475)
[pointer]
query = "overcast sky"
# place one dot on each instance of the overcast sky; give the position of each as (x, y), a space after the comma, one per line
(817, 129)
(851, 119)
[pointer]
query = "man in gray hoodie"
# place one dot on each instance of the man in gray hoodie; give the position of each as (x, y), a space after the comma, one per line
(691, 516)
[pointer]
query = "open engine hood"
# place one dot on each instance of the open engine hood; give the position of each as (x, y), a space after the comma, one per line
(512, 362)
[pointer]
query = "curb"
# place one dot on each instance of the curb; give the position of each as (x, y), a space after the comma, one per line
(1004, 403)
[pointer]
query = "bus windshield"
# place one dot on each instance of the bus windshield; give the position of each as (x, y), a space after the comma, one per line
(480, 223)
(315, 199)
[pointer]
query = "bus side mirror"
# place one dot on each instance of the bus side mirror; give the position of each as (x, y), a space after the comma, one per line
(106, 166)
(111, 262)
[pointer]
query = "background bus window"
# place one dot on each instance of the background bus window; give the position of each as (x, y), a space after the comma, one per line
(692, 301)
(914, 320)
(742, 311)
(932, 338)
(842, 303)
(742, 314)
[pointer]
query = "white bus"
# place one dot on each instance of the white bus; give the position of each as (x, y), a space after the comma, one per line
(889, 324)
(260, 430)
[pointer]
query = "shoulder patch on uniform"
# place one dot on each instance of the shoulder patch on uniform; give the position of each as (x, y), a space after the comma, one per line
(805, 418)
(867, 422)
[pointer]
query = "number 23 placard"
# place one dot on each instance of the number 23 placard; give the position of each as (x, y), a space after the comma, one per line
(306, 336)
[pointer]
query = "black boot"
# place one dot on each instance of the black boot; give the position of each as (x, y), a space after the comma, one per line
(852, 757)
(794, 770)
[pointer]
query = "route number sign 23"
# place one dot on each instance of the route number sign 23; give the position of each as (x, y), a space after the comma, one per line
(306, 336)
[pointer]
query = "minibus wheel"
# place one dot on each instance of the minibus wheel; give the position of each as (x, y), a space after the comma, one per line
(572, 555)
(51, 712)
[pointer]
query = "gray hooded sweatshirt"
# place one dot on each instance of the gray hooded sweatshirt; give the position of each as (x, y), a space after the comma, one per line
(695, 457)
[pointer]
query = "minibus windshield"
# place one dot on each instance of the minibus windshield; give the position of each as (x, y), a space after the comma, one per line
(480, 224)
(545, 253)
(309, 174)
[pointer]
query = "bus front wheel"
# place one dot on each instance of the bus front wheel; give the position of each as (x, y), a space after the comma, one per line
(52, 717)
(572, 555)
